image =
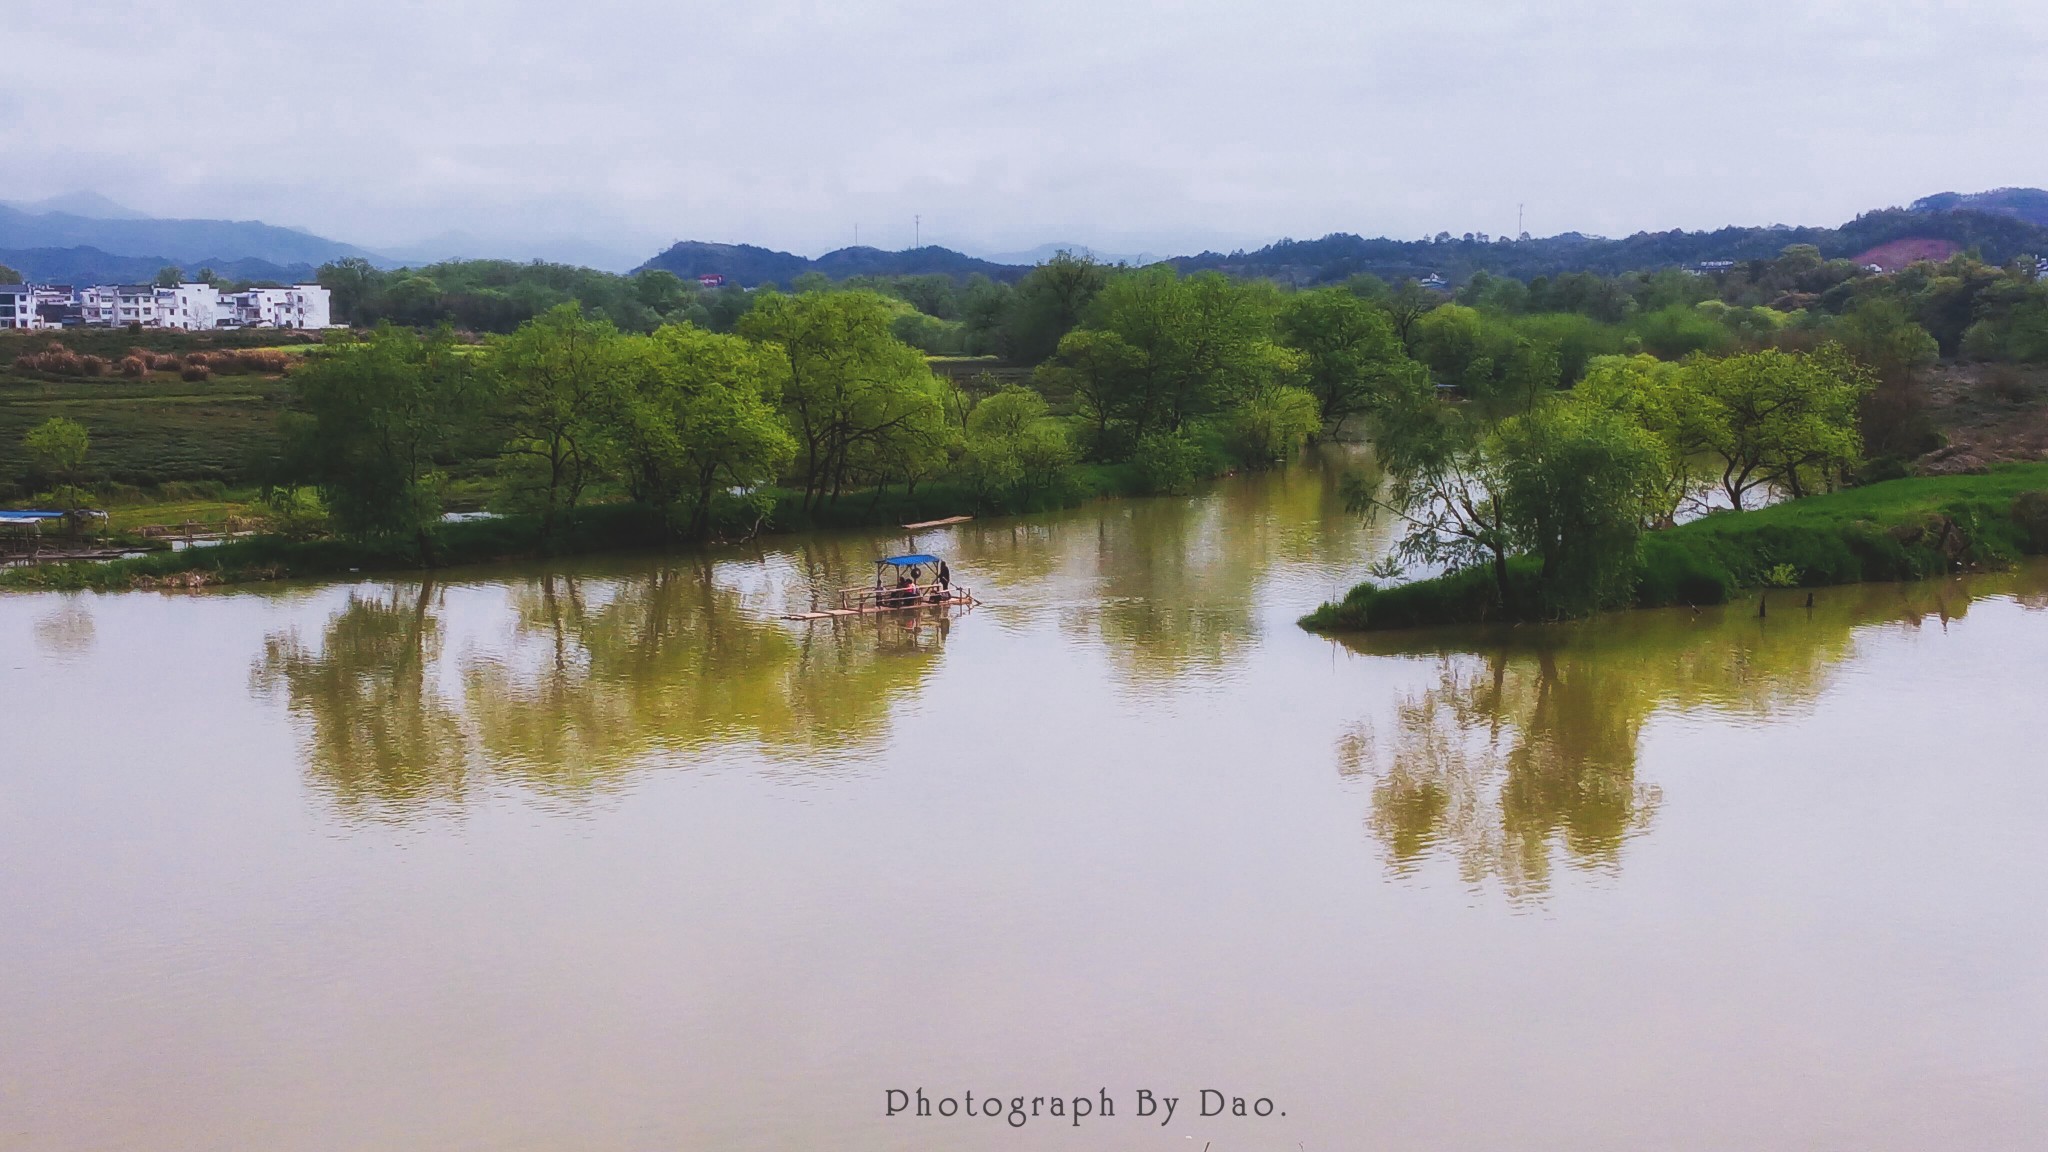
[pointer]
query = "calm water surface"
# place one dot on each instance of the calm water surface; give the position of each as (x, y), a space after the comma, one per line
(607, 856)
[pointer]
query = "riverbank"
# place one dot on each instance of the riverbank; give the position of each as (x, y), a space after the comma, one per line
(621, 527)
(1897, 530)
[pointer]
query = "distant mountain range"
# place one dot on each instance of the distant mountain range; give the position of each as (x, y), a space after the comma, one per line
(86, 265)
(84, 237)
(749, 266)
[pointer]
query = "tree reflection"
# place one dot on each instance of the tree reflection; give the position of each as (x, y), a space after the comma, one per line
(380, 734)
(1522, 749)
(597, 678)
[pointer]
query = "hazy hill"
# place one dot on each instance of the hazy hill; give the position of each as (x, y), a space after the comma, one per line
(1335, 257)
(2029, 204)
(92, 266)
(749, 266)
(183, 242)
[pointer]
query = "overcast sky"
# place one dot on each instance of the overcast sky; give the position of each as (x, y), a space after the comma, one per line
(1127, 126)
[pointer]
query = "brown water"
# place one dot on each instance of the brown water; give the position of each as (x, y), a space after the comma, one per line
(605, 856)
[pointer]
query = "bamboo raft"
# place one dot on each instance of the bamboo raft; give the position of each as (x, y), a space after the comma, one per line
(882, 599)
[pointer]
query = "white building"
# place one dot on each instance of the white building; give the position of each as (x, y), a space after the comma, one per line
(299, 306)
(191, 307)
(17, 306)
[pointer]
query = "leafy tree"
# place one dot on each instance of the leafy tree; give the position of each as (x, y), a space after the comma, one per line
(9, 275)
(1880, 336)
(56, 448)
(1348, 349)
(170, 276)
(1441, 483)
(1015, 450)
(1655, 396)
(374, 416)
(548, 376)
(1270, 426)
(1181, 348)
(1779, 418)
(350, 283)
(856, 397)
(1576, 480)
(694, 414)
(1406, 307)
(1049, 303)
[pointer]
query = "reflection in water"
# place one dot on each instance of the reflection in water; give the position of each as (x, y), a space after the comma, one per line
(379, 731)
(598, 677)
(1525, 744)
(1180, 580)
(68, 631)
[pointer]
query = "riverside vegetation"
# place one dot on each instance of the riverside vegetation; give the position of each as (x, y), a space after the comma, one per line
(1539, 442)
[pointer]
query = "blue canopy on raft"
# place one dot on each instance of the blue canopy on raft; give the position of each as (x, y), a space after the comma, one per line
(910, 561)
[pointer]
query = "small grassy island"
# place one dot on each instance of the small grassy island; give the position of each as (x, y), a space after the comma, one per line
(1894, 530)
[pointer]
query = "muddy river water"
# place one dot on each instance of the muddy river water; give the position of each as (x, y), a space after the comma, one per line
(605, 855)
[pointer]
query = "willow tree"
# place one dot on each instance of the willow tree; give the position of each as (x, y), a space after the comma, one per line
(862, 404)
(693, 414)
(549, 375)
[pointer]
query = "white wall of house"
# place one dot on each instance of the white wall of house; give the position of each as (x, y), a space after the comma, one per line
(193, 307)
(17, 306)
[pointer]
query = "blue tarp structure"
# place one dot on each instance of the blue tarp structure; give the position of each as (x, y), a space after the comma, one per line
(910, 561)
(28, 517)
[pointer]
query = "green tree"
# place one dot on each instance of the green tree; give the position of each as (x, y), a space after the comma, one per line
(373, 417)
(1049, 303)
(351, 281)
(694, 414)
(9, 275)
(56, 449)
(548, 376)
(857, 399)
(1576, 480)
(1779, 418)
(1656, 396)
(1015, 450)
(170, 276)
(1181, 349)
(1441, 482)
(1878, 333)
(1271, 426)
(1348, 350)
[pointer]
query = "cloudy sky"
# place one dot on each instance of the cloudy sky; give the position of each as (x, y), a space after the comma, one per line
(1127, 126)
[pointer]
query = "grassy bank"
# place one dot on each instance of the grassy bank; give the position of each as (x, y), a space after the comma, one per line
(599, 528)
(1897, 530)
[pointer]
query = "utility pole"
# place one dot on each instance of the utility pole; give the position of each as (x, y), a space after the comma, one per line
(1519, 229)
(916, 233)
(856, 234)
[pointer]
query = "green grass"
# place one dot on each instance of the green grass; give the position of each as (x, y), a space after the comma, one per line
(1897, 530)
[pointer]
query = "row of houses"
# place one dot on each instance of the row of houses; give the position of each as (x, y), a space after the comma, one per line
(192, 307)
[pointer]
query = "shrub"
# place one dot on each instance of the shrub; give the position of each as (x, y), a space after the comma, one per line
(133, 367)
(1166, 463)
(2030, 513)
(92, 366)
(195, 373)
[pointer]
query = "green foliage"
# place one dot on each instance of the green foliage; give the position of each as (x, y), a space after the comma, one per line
(1271, 426)
(1049, 303)
(375, 417)
(548, 376)
(1015, 451)
(693, 414)
(864, 406)
(1577, 481)
(1167, 463)
(56, 448)
(1779, 418)
(1898, 530)
(1347, 347)
(500, 295)
(1161, 352)
(9, 275)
